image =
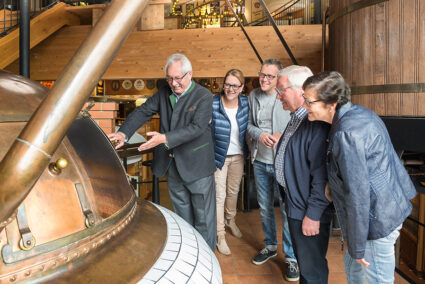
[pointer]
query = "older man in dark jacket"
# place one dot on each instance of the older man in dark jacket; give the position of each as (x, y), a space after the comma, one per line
(184, 146)
(300, 166)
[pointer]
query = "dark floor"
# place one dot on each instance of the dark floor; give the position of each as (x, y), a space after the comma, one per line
(238, 268)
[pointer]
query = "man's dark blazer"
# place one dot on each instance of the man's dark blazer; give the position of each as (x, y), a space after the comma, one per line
(305, 172)
(187, 128)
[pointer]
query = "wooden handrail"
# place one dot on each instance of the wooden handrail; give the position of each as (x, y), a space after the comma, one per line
(41, 27)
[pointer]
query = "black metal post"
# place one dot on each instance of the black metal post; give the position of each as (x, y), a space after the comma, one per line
(247, 184)
(24, 38)
(155, 190)
(317, 11)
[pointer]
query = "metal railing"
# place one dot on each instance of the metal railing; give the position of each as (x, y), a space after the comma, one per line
(292, 12)
(209, 13)
(287, 12)
(10, 14)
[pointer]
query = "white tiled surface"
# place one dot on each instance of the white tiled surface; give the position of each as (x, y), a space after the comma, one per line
(186, 257)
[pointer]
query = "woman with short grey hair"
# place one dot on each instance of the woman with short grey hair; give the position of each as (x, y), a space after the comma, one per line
(370, 187)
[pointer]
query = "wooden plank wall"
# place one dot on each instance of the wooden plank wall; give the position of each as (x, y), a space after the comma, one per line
(378, 45)
(211, 51)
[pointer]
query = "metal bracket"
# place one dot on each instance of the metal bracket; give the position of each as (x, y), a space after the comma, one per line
(88, 214)
(388, 88)
(10, 256)
(85, 113)
(27, 241)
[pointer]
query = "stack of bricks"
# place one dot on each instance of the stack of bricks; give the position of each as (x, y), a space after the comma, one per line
(104, 114)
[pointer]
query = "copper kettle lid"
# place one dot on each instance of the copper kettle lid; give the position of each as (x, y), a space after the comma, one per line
(19, 97)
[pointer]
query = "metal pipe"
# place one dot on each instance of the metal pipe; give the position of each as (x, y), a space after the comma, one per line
(155, 189)
(31, 151)
(24, 38)
(317, 12)
(4, 17)
(324, 12)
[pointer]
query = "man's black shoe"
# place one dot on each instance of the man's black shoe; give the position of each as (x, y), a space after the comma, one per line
(292, 273)
(263, 256)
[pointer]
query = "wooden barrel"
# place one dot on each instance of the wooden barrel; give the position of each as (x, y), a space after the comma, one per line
(379, 48)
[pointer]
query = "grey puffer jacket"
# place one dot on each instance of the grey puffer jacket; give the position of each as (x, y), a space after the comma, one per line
(370, 187)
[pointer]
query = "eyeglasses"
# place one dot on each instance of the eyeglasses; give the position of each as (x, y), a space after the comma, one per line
(177, 79)
(283, 91)
(308, 103)
(267, 76)
(233, 87)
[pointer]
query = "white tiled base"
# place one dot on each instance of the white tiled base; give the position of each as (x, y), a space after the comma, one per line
(186, 257)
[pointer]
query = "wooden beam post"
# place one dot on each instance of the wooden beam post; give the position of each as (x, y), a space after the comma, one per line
(153, 16)
(96, 14)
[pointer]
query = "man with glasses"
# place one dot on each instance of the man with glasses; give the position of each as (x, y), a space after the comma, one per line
(267, 121)
(183, 147)
(300, 166)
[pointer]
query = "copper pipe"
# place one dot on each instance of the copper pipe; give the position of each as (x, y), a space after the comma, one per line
(31, 151)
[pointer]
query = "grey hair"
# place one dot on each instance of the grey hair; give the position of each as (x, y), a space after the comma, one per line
(330, 87)
(186, 65)
(273, 61)
(296, 75)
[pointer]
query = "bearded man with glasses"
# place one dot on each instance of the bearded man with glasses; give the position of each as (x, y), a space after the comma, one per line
(266, 123)
(183, 147)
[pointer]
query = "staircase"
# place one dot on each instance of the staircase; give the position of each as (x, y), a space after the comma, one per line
(8, 20)
(41, 27)
(289, 9)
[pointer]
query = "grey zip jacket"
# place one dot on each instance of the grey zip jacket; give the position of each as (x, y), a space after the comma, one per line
(280, 119)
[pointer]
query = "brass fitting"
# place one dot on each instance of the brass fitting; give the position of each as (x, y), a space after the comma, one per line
(57, 167)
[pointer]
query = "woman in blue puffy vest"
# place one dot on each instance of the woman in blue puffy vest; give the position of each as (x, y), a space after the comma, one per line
(229, 122)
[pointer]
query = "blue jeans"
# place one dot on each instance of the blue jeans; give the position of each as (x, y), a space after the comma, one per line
(380, 254)
(266, 183)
